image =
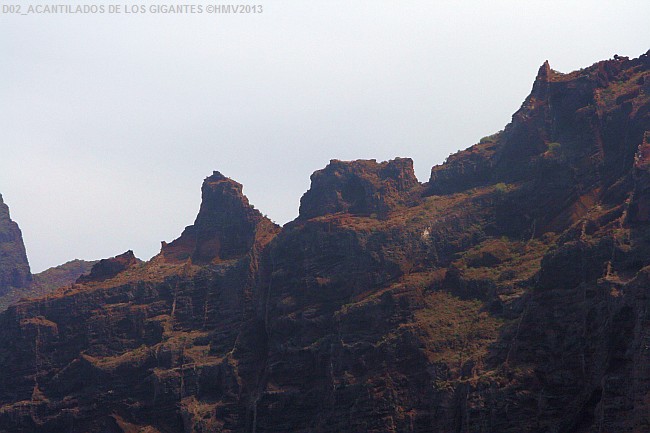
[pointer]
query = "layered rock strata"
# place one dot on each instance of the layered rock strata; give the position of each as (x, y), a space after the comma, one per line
(508, 294)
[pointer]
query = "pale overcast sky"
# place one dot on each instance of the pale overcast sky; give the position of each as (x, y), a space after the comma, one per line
(110, 122)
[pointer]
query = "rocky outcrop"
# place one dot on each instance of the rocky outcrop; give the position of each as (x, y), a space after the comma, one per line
(47, 282)
(61, 275)
(639, 210)
(574, 137)
(225, 228)
(16, 280)
(14, 268)
(506, 295)
(362, 187)
(109, 268)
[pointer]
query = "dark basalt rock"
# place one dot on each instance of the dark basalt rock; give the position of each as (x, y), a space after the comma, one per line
(224, 229)
(109, 268)
(14, 267)
(48, 281)
(16, 280)
(639, 210)
(509, 294)
(360, 188)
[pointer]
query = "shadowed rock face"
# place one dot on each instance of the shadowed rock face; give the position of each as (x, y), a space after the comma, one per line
(47, 281)
(574, 137)
(14, 268)
(224, 229)
(639, 211)
(16, 280)
(109, 268)
(360, 188)
(509, 294)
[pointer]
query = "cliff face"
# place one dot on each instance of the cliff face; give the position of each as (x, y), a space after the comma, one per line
(225, 227)
(47, 281)
(108, 268)
(360, 188)
(573, 138)
(14, 268)
(508, 294)
(16, 280)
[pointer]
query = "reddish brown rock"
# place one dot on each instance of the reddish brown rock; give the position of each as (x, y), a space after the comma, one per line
(48, 281)
(639, 209)
(109, 268)
(225, 228)
(14, 268)
(16, 280)
(362, 187)
(513, 298)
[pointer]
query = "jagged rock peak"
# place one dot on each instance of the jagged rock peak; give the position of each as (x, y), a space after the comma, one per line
(14, 267)
(222, 199)
(4, 209)
(216, 176)
(362, 187)
(587, 124)
(515, 301)
(544, 71)
(541, 83)
(225, 227)
(109, 268)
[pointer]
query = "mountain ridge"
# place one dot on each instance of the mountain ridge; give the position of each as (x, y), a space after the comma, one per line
(14, 268)
(16, 279)
(508, 293)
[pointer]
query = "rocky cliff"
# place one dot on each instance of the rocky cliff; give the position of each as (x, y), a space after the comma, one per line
(225, 228)
(47, 281)
(507, 294)
(14, 268)
(16, 280)
(360, 188)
